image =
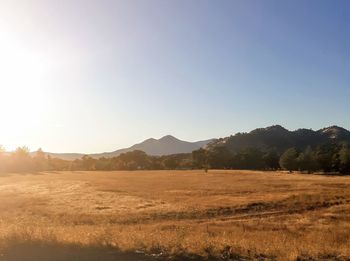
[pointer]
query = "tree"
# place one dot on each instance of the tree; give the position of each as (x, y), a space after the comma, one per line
(21, 159)
(200, 158)
(271, 159)
(170, 162)
(219, 157)
(327, 157)
(289, 160)
(39, 160)
(344, 158)
(249, 158)
(133, 160)
(88, 163)
(307, 161)
(22, 152)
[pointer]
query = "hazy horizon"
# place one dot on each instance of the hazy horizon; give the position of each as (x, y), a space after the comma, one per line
(94, 76)
(157, 138)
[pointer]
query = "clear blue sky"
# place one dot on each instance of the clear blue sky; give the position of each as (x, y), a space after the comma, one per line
(92, 76)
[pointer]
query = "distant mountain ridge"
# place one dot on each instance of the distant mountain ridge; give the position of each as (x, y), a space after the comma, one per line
(273, 137)
(166, 145)
(279, 138)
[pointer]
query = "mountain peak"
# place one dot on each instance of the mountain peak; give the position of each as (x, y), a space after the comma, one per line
(150, 140)
(274, 128)
(166, 145)
(333, 128)
(168, 138)
(335, 132)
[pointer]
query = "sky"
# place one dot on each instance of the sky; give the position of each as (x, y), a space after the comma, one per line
(93, 76)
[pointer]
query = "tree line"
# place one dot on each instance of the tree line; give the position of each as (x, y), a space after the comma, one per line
(331, 157)
(21, 160)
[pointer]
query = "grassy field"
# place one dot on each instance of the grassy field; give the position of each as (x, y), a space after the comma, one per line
(150, 215)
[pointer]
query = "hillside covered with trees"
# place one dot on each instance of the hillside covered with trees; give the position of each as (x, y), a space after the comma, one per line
(275, 147)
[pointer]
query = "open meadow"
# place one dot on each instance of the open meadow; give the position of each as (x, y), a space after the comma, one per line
(151, 215)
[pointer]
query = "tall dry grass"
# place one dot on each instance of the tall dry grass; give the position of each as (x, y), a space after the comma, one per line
(222, 214)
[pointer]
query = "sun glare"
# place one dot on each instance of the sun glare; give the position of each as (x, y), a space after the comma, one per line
(22, 91)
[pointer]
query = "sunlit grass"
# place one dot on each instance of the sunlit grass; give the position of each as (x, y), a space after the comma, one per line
(219, 214)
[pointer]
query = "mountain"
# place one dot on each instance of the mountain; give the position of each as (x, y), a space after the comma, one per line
(273, 137)
(280, 139)
(166, 145)
(336, 133)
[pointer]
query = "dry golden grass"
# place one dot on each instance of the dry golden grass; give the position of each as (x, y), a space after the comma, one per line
(231, 215)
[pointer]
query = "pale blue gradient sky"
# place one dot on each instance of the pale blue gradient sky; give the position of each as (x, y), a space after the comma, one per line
(93, 76)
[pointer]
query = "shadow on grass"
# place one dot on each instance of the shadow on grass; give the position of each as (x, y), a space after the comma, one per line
(34, 251)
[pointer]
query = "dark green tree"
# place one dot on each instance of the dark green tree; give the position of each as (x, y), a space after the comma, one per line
(133, 160)
(219, 157)
(271, 159)
(289, 160)
(307, 161)
(344, 158)
(200, 158)
(327, 157)
(251, 158)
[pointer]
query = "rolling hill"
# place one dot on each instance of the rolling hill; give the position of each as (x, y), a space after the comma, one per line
(278, 138)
